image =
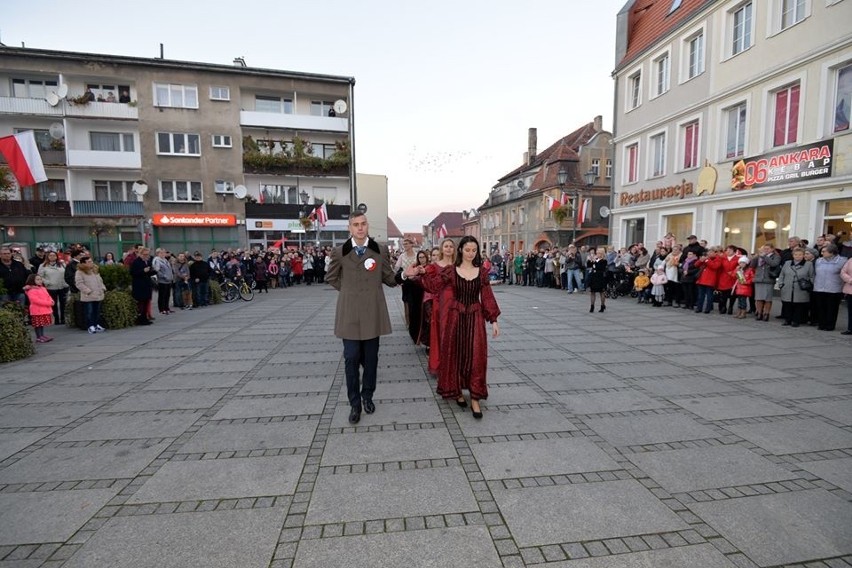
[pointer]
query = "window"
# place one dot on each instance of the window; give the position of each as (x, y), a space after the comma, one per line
(181, 191)
(321, 108)
(32, 88)
(786, 121)
(632, 173)
(222, 186)
(679, 225)
(263, 103)
(50, 190)
(635, 92)
(220, 93)
(324, 151)
(843, 99)
(634, 231)
(608, 169)
(661, 67)
(42, 138)
(751, 228)
(178, 143)
(690, 145)
(270, 193)
(113, 190)
(112, 142)
(110, 92)
(675, 6)
(735, 135)
(521, 216)
(741, 38)
(658, 155)
(792, 12)
(177, 96)
(222, 141)
(695, 50)
(596, 167)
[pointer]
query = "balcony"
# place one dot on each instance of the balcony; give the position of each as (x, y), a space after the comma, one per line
(108, 209)
(279, 164)
(294, 121)
(48, 158)
(101, 159)
(39, 107)
(292, 211)
(15, 208)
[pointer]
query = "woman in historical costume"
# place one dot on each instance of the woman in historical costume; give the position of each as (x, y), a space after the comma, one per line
(446, 258)
(415, 300)
(424, 338)
(462, 315)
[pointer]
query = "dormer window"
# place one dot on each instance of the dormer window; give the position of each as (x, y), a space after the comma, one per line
(675, 5)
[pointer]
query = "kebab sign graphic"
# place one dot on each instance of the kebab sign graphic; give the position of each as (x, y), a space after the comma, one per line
(792, 165)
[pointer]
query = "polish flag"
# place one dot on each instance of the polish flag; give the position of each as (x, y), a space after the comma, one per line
(322, 214)
(441, 232)
(583, 211)
(553, 204)
(22, 155)
(566, 199)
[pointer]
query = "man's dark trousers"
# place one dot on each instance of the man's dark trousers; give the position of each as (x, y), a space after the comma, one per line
(360, 353)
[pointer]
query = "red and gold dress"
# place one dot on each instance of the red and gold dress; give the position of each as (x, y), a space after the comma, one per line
(463, 309)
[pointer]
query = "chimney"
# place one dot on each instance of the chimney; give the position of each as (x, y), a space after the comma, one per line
(598, 123)
(533, 140)
(239, 62)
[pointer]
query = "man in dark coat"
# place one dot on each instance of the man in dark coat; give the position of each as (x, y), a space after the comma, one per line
(14, 275)
(357, 270)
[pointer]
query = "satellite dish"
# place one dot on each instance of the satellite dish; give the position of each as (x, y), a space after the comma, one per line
(57, 131)
(340, 106)
(140, 188)
(62, 91)
(604, 211)
(52, 99)
(240, 191)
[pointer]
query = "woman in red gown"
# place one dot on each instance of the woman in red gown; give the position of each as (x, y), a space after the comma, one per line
(467, 302)
(447, 258)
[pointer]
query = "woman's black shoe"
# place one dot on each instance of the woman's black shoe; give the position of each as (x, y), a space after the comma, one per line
(461, 402)
(476, 414)
(603, 309)
(592, 309)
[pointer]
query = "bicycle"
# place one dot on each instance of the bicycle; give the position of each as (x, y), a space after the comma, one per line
(236, 288)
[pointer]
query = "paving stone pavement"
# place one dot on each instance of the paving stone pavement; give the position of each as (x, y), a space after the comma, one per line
(638, 437)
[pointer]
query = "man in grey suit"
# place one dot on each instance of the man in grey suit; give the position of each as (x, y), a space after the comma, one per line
(357, 270)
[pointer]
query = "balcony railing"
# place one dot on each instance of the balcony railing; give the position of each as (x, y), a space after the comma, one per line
(15, 208)
(39, 107)
(261, 163)
(102, 159)
(48, 157)
(292, 211)
(293, 121)
(108, 209)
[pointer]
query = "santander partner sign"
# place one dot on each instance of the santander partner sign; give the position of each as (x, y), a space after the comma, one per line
(194, 220)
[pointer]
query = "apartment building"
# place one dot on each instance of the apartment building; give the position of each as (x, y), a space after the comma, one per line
(732, 121)
(518, 216)
(177, 154)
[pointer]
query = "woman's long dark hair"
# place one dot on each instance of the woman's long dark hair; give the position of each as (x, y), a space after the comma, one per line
(477, 260)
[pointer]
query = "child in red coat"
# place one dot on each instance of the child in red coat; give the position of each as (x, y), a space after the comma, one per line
(743, 287)
(41, 306)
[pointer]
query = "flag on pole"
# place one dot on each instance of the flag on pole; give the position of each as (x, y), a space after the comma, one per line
(313, 214)
(322, 215)
(22, 155)
(441, 232)
(565, 199)
(552, 204)
(583, 210)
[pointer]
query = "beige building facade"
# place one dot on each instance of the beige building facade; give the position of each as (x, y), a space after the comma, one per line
(732, 121)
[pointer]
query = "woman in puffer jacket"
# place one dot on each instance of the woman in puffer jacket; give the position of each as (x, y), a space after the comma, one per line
(728, 279)
(708, 277)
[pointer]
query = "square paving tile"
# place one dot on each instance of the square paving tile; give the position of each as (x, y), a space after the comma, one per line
(745, 372)
(837, 410)
(108, 376)
(396, 390)
(13, 443)
(797, 361)
(504, 422)
(219, 539)
(587, 511)
(21, 416)
(136, 425)
(390, 413)
(794, 436)
(169, 400)
(377, 447)
(530, 458)
(232, 365)
(783, 528)
(244, 407)
(73, 464)
(195, 381)
(708, 468)
(220, 437)
(390, 494)
(837, 472)
(696, 556)
(651, 429)
(733, 406)
(684, 386)
(796, 389)
(656, 369)
(600, 402)
(579, 381)
(555, 367)
(470, 547)
(49, 516)
(285, 386)
(835, 375)
(513, 394)
(301, 370)
(222, 479)
(56, 393)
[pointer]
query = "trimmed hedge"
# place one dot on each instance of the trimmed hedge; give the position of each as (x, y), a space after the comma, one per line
(16, 343)
(115, 276)
(118, 310)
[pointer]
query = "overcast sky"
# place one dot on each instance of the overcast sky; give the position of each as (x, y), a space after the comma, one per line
(445, 90)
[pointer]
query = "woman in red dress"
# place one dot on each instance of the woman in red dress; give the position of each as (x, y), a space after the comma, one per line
(426, 309)
(446, 258)
(467, 302)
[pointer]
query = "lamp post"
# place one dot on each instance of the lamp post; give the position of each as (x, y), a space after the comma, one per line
(561, 179)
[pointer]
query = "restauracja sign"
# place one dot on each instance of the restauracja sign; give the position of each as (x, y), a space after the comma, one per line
(787, 166)
(674, 191)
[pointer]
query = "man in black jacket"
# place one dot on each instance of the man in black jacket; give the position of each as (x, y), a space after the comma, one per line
(71, 270)
(14, 275)
(199, 275)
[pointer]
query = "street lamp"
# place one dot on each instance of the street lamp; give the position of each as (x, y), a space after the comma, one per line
(562, 178)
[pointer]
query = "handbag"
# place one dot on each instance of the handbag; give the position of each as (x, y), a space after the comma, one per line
(805, 285)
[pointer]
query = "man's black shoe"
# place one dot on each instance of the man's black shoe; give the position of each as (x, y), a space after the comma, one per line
(369, 407)
(355, 415)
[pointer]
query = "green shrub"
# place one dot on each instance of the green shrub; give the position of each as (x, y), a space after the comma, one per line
(2, 288)
(69, 309)
(115, 276)
(118, 309)
(16, 343)
(215, 292)
(18, 310)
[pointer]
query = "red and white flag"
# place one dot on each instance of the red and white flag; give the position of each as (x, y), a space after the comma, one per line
(566, 199)
(322, 214)
(22, 155)
(553, 204)
(441, 232)
(583, 210)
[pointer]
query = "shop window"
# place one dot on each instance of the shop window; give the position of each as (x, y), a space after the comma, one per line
(837, 217)
(752, 228)
(634, 231)
(679, 225)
